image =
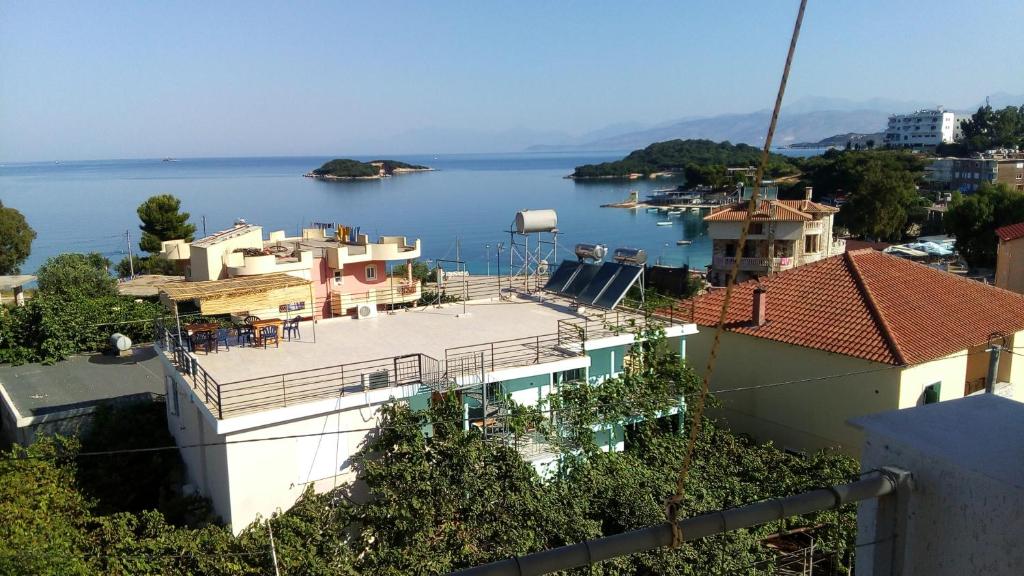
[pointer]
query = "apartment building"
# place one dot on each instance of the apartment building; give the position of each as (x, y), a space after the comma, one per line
(924, 128)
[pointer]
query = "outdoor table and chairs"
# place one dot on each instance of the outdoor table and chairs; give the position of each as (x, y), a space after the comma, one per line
(268, 330)
(204, 335)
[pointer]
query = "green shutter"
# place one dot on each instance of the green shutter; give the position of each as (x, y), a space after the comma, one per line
(931, 393)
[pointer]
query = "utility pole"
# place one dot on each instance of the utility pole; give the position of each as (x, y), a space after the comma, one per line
(204, 225)
(993, 365)
(128, 243)
(487, 255)
(273, 550)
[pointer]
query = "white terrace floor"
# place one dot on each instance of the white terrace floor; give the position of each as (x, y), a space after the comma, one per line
(428, 330)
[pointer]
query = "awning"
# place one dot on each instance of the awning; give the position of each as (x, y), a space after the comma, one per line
(239, 293)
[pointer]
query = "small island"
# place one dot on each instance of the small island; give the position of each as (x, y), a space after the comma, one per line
(691, 158)
(348, 169)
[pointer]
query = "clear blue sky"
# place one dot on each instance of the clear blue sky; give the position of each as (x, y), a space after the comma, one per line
(86, 80)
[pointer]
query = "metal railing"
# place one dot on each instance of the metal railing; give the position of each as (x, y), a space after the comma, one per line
(394, 293)
(465, 362)
(754, 263)
(226, 399)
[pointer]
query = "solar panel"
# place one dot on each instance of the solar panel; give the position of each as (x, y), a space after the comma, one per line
(563, 274)
(580, 280)
(617, 289)
(599, 282)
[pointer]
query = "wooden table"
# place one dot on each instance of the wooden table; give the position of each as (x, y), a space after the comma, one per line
(260, 324)
(210, 328)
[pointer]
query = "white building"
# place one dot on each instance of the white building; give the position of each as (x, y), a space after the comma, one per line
(783, 234)
(924, 128)
(319, 394)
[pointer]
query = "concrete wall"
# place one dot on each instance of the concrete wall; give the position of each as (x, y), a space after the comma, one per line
(803, 416)
(209, 263)
(1010, 265)
(965, 513)
(949, 372)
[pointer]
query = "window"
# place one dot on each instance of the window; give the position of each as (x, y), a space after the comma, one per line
(371, 272)
(811, 243)
(758, 227)
(730, 250)
(173, 405)
(337, 277)
(932, 393)
(569, 375)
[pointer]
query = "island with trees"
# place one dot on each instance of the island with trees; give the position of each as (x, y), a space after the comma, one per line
(689, 157)
(348, 169)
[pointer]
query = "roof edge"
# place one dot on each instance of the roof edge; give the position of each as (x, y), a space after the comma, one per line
(876, 312)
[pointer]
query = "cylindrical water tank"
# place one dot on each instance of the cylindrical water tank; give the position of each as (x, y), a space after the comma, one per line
(120, 342)
(630, 256)
(529, 221)
(595, 252)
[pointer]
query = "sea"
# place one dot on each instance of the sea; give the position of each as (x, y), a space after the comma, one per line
(462, 210)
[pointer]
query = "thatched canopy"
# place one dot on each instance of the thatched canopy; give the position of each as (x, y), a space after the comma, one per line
(239, 293)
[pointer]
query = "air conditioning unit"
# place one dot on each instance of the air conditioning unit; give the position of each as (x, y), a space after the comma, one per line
(366, 311)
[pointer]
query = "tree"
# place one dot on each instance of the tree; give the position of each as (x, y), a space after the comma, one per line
(145, 265)
(162, 221)
(76, 275)
(16, 238)
(420, 271)
(973, 220)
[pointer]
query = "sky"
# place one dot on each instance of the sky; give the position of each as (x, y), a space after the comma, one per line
(100, 80)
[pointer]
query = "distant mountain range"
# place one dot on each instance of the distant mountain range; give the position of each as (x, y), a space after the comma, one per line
(807, 120)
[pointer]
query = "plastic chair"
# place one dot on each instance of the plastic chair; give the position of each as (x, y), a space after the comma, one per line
(292, 327)
(222, 336)
(269, 333)
(201, 339)
(250, 319)
(244, 334)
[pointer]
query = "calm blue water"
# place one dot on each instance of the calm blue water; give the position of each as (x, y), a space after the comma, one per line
(87, 206)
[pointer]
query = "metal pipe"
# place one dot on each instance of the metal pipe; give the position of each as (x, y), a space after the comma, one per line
(659, 536)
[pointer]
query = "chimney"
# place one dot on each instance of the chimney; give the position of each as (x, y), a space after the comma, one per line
(808, 192)
(760, 305)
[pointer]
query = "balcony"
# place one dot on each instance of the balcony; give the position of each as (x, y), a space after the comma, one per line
(755, 264)
(814, 226)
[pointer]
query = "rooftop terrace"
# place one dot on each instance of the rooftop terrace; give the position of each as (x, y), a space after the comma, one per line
(435, 345)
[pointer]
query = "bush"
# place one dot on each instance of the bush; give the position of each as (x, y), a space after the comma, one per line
(76, 276)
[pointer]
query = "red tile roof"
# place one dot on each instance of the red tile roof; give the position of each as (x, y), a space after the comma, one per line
(1011, 232)
(873, 306)
(769, 210)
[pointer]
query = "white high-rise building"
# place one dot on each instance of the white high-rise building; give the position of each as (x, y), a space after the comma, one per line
(921, 129)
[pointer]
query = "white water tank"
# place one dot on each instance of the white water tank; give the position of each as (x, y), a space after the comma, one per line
(120, 343)
(529, 221)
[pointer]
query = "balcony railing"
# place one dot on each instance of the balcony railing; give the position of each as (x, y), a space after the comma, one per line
(813, 226)
(755, 264)
(396, 292)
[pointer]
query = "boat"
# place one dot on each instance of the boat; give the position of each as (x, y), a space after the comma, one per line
(684, 242)
(652, 209)
(170, 160)
(674, 212)
(665, 223)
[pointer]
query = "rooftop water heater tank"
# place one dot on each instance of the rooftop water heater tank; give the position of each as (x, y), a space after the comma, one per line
(595, 252)
(120, 344)
(530, 221)
(634, 256)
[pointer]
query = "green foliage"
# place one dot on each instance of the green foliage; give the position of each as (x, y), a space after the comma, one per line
(76, 276)
(678, 155)
(162, 220)
(146, 265)
(16, 238)
(391, 165)
(50, 328)
(45, 519)
(347, 168)
(420, 271)
(973, 220)
(988, 129)
(880, 188)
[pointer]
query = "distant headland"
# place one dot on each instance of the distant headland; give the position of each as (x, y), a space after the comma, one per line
(676, 157)
(348, 169)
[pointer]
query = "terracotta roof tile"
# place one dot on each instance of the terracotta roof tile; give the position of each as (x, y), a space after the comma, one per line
(1011, 232)
(871, 305)
(769, 210)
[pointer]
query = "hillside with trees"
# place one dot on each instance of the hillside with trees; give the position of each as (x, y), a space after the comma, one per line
(346, 168)
(675, 156)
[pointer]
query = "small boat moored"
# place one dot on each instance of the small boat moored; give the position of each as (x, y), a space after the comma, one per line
(666, 223)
